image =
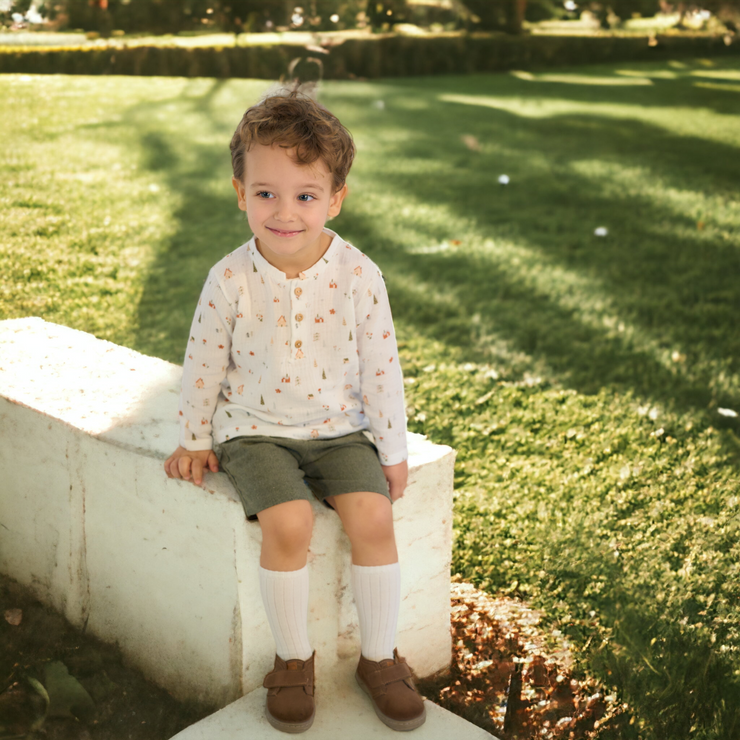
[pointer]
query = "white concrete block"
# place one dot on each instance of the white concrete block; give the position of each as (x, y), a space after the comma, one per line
(165, 569)
(343, 712)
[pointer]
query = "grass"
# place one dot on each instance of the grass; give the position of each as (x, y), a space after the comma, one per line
(583, 380)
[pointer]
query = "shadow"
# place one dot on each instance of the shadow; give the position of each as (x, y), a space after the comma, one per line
(185, 138)
(692, 84)
(534, 273)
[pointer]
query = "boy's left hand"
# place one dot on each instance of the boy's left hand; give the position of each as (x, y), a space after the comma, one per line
(397, 477)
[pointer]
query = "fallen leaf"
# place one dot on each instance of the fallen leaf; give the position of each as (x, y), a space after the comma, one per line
(67, 697)
(14, 616)
(471, 142)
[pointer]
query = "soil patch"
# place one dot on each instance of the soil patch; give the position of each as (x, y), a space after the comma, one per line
(121, 703)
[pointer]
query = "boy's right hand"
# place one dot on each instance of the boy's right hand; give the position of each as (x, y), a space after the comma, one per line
(189, 465)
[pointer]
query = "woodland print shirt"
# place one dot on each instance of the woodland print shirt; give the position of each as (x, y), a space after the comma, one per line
(312, 357)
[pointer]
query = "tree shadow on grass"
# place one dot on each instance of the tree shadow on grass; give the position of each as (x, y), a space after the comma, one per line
(695, 84)
(185, 139)
(665, 275)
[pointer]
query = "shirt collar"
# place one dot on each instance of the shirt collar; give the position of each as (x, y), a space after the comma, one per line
(265, 268)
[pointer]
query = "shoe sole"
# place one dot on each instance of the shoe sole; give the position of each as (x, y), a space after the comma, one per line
(290, 727)
(395, 724)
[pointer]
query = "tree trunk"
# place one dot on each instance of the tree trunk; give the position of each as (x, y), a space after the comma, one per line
(515, 15)
(496, 15)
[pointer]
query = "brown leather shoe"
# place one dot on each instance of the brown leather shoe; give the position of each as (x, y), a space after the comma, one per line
(289, 685)
(395, 698)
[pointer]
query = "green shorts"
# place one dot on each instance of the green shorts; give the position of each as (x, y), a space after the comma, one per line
(267, 471)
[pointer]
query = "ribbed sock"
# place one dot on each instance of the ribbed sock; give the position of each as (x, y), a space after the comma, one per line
(377, 590)
(285, 597)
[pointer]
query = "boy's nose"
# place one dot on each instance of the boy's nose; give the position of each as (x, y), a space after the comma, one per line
(284, 212)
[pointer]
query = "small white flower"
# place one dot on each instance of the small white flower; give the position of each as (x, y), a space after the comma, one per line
(601, 231)
(503, 179)
(727, 412)
(154, 188)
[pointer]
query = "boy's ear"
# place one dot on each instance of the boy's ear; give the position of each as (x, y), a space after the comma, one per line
(335, 203)
(241, 193)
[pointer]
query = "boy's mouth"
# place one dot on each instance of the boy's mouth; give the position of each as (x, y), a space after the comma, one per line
(282, 232)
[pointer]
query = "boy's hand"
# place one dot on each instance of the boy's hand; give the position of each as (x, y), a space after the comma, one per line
(397, 477)
(189, 465)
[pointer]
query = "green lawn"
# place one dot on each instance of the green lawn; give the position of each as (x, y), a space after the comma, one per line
(584, 380)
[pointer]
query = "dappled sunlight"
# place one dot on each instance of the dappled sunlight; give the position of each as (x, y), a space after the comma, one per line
(632, 306)
(527, 269)
(718, 86)
(685, 121)
(576, 79)
(720, 74)
(657, 74)
(688, 207)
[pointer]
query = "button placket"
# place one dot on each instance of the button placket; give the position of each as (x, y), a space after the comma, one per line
(298, 323)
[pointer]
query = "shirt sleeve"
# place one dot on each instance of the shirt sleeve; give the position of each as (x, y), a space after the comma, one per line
(206, 365)
(381, 380)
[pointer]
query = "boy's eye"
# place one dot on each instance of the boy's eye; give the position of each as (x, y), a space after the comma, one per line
(306, 198)
(264, 194)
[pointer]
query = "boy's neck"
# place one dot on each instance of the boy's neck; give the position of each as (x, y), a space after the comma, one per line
(293, 265)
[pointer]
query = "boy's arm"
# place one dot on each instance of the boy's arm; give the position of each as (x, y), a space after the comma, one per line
(397, 476)
(204, 368)
(381, 381)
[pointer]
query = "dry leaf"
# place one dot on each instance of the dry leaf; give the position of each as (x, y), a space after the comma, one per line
(471, 142)
(506, 672)
(14, 616)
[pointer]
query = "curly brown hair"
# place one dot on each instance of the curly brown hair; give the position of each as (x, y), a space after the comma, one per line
(293, 120)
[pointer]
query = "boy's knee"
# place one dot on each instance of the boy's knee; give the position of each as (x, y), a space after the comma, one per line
(292, 530)
(373, 522)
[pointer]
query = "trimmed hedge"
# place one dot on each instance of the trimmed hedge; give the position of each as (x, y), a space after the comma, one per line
(382, 56)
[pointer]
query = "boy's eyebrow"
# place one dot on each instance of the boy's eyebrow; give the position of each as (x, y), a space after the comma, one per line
(307, 185)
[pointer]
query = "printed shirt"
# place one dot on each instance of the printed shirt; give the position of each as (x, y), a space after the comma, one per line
(310, 357)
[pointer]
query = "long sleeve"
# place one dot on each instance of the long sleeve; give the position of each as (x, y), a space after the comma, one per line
(381, 380)
(206, 365)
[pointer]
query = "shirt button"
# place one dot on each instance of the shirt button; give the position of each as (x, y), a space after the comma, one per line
(298, 291)
(299, 317)
(298, 344)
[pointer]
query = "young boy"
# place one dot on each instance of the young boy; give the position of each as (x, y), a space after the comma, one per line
(292, 357)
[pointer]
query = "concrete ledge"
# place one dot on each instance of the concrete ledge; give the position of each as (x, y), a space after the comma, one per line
(343, 712)
(163, 568)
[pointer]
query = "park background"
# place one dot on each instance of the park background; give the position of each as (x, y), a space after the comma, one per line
(562, 253)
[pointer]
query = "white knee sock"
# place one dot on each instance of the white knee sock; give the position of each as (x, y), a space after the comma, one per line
(377, 590)
(285, 596)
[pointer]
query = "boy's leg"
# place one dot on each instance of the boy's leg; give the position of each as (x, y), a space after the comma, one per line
(376, 577)
(376, 580)
(286, 535)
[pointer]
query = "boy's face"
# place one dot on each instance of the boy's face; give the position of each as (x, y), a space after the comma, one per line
(287, 205)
